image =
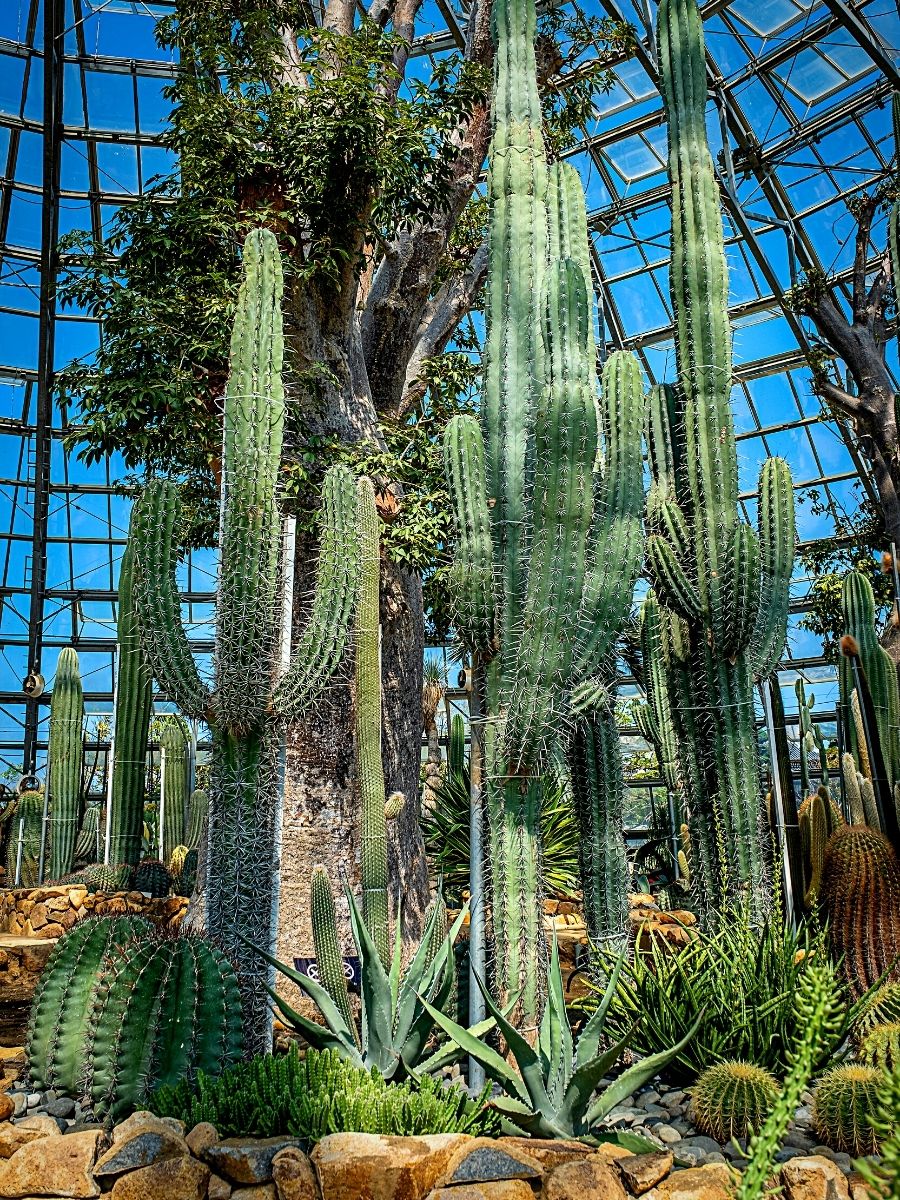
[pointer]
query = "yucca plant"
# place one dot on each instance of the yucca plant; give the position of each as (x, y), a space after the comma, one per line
(552, 1091)
(395, 1021)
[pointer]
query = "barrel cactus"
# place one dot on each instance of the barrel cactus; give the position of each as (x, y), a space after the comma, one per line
(59, 1023)
(880, 1008)
(881, 1046)
(108, 878)
(724, 585)
(844, 1101)
(251, 697)
(64, 758)
(731, 1099)
(152, 876)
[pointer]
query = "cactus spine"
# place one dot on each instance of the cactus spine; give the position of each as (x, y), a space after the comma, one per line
(731, 1099)
(561, 539)
(726, 582)
(248, 701)
(30, 809)
(844, 1101)
(133, 710)
(173, 742)
(64, 756)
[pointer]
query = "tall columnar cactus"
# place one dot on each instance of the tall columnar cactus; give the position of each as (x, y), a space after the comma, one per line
(725, 583)
(27, 818)
(88, 845)
(133, 710)
(174, 778)
(549, 544)
(250, 696)
(64, 757)
(198, 806)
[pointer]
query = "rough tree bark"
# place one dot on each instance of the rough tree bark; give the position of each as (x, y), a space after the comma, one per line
(366, 339)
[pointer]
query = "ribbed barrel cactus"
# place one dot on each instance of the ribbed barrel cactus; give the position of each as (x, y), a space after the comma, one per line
(251, 695)
(722, 584)
(64, 757)
(548, 499)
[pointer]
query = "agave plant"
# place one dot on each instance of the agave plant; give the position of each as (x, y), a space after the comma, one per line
(396, 1007)
(552, 1093)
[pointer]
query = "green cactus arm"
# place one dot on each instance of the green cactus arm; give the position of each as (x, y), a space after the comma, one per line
(670, 579)
(154, 523)
(699, 281)
(561, 510)
(616, 542)
(369, 768)
(517, 243)
(323, 642)
(131, 719)
(250, 535)
(666, 518)
(664, 433)
(742, 595)
(472, 572)
(328, 952)
(777, 539)
(858, 604)
(64, 755)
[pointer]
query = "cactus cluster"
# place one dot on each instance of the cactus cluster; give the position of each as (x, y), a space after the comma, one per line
(64, 757)
(732, 1099)
(106, 877)
(121, 1009)
(718, 606)
(548, 502)
(818, 817)
(250, 695)
(844, 1102)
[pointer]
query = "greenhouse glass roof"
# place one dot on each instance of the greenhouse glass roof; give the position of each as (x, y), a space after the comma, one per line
(799, 118)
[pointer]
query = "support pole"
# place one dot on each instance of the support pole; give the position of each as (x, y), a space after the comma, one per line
(476, 863)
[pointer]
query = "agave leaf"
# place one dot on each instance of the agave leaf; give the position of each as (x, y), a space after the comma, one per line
(319, 996)
(555, 1040)
(448, 1053)
(629, 1081)
(527, 1059)
(397, 959)
(375, 993)
(421, 975)
(584, 1081)
(495, 1065)
(317, 1035)
(589, 1042)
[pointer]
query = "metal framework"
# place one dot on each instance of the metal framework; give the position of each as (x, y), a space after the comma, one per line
(800, 93)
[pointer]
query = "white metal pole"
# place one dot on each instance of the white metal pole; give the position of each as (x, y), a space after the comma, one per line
(162, 801)
(110, 767)
(19, 851)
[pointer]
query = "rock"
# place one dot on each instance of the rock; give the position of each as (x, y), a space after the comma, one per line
(814, 1177)
(293, 1175)
(859, 1189)
(62, 1106)
(246, 1160)
(667, 1134)
(259, 1191)
(689, 1156)
(7, 1107)
(548, 1152)
(13, 1137)
(483, 1160)
(219, 1188)
(801, 1141)
(697, 1141)
(139, 1149)
(673, 1099)
(201, 1137)
(53, 1166)
(19, 1104)
(610, 1152)
(44, 1125)
(650, 1097)
(641, 1172)
(578, 1180)
(174, 1179)
(143, 1121)
(711, 1182)
(369, 1166)
(33, 1099)
(503, 1189)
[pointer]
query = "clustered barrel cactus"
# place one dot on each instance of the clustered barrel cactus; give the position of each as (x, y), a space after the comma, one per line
(548, 501)
(718, 607)
(251, 694)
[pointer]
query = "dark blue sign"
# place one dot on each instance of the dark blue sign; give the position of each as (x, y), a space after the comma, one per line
(310, 968)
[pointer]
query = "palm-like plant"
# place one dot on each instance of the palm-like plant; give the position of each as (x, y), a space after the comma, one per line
(552, 1094)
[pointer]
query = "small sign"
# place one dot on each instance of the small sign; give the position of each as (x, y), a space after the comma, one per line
(352, 971)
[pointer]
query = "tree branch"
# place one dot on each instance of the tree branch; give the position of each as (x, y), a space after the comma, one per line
(865, 214)
(846, 402)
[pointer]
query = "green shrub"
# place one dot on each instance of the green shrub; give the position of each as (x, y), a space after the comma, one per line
(319, 1094)
(743, 980)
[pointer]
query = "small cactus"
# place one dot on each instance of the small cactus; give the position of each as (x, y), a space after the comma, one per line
(731, 1099)
(98, 877)
(844, 1100)
(64, 755)
(151, 875)
(186, 878)
(881, 1047)
(87, 844)
(30, 809)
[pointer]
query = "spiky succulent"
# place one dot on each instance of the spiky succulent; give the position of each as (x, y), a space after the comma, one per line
(881, 1046)
(844, 1102)
(732, 1099)
(879, 1008)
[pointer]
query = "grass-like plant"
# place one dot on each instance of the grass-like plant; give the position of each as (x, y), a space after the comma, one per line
(743, 978)
(319, 1094)
(552, 1091)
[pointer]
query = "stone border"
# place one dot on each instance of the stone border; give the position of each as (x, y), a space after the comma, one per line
(47, 912)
